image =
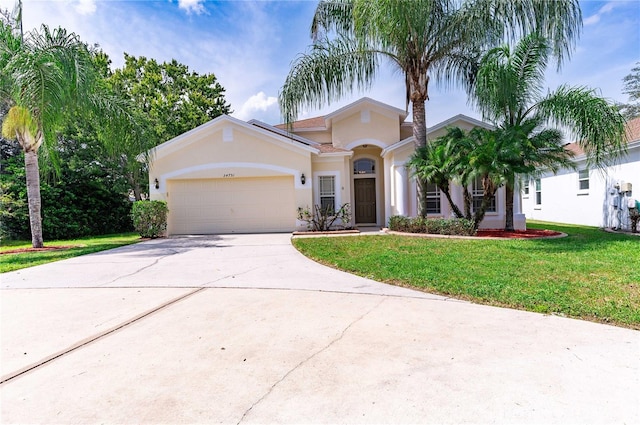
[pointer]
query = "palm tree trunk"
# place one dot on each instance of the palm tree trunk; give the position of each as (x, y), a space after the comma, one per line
(508, 219)
(452, 205)
(420, 139)
(33, 196)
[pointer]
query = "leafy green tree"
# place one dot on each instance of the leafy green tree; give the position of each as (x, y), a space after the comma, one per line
(423, 39)
(175, 99)
(631, 88)
(509, 93)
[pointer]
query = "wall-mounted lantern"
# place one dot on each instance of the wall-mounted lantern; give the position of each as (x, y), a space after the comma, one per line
(157, 183)
(303, 178)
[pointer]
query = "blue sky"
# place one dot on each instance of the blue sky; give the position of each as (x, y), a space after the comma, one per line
(249, 46)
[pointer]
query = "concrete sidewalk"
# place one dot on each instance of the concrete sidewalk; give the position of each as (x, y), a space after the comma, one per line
(244, 329)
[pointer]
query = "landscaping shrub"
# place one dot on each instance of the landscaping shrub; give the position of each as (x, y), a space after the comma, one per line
(150, 218)
(324, 219)
(438, 226)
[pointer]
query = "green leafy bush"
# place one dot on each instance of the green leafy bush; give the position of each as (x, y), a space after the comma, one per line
(438, 226)
(150, 218)
(85, 199)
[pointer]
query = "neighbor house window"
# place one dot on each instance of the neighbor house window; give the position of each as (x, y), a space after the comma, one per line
(583, 179)
(538, 192)
(477, 195)
(433, 199)
(327, 193)
(364, 166)
(525, 188)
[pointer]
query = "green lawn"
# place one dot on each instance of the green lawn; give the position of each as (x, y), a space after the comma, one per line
(590, 274)
(82, 246)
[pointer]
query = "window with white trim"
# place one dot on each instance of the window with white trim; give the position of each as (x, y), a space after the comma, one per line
(433, 199)
(538, 192)
(327, 186)
(583, 180)
(477, 193)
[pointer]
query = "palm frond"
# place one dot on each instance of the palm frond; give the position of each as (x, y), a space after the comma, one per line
(597, 125)
(324, 74)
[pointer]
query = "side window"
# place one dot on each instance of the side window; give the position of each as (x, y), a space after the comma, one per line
(476, 193)
(327, 185)
(525, 188)
(583, 180)
(538, 192)
(433, 199)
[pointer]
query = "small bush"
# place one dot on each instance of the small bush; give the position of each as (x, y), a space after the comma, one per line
(324, 219)
(150, 218)
(438, 226)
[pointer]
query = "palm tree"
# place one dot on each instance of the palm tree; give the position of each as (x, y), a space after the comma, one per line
(509, 93)
(423, 39)
(44, 77)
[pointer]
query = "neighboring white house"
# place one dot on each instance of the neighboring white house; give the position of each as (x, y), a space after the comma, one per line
(231, 176)
(588, 196)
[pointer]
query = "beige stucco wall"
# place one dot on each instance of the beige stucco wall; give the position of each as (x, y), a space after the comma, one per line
(380, 128)
(206, 155)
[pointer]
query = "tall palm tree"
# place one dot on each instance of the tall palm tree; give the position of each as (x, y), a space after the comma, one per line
(509, 93)
(423, 39)
(44, 76)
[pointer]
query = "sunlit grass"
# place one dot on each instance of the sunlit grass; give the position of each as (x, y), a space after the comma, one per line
(590, 274)
(76, 247)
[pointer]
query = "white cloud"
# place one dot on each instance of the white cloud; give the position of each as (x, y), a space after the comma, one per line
(192, 6)
(595, 18)
(259, 106)
(86, 7)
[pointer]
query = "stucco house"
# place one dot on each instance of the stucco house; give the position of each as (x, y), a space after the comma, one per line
(587, 196)
(231, 176)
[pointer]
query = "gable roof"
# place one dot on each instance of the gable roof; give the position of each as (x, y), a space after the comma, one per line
(223, 121)
(322, 123)
(440, 125)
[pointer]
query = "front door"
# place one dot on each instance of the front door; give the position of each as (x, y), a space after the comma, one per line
(365, 197)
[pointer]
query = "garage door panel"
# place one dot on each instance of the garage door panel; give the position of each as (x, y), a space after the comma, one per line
(242, 205)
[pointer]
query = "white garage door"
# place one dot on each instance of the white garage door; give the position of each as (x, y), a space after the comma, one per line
(236, 205)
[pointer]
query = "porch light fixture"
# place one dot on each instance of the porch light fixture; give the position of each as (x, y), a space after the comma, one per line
(303, 179)
(157, 183)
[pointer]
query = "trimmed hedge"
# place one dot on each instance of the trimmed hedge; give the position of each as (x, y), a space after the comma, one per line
(437, 226)
(150, 218)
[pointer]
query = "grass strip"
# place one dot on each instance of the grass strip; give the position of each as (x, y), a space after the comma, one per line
(69, 248)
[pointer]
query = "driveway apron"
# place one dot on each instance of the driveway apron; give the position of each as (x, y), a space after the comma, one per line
(244, 329)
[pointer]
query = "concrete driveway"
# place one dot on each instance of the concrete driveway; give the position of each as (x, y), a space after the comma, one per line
(244, 329)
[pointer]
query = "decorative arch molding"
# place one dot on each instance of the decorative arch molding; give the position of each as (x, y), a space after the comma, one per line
(359, 142)
(251, 165)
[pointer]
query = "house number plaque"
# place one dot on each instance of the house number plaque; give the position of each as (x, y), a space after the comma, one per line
(228, 175)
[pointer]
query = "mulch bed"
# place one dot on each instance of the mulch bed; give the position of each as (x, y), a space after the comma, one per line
(43, 249)
(517, 234)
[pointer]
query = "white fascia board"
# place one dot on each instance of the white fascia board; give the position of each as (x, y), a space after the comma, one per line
(459, 117)
(397, 145)
(630, 146)
(335, 154)
(390, 110)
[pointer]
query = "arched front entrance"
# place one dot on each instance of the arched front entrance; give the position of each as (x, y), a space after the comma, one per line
(365, 191)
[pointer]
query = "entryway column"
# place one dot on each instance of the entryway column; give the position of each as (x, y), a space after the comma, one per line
(400, 180)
